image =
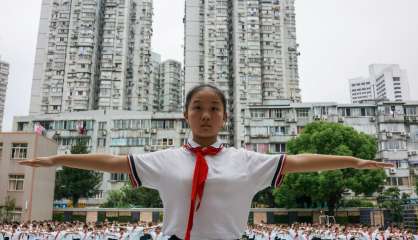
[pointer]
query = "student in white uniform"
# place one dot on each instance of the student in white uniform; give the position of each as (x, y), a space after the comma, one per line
(206, 188)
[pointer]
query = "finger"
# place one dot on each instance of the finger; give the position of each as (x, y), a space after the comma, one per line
(25, 163)
(386, 165)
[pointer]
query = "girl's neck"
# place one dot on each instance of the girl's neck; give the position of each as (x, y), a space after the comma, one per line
(204, 142)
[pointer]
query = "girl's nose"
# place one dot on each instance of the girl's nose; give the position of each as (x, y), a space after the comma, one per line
(205, 115)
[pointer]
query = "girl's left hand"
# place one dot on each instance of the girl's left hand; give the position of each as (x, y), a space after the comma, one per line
(369, 164)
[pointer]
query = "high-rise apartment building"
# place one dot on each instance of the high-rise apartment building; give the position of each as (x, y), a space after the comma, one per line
(386, 81)
(93, 54)
(171, 86)
(4, 76)
(156, 61)
(247, 48)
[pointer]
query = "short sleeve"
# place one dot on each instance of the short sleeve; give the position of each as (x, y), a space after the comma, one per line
(265, 170)
(146, 169)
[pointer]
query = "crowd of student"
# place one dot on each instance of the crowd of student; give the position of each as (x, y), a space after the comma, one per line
(326, 232)
(80, 231)
(143, 231)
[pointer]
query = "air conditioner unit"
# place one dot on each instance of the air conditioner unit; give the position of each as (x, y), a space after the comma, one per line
(408, 135)
(182, 131)
(154, 148)
(403, 134)
(389, 134)
(153, 131)
(372, 119)
(340, 119)
(392, 171)
(413, 153)
(146, 130)
(146, 147)
(104, 132)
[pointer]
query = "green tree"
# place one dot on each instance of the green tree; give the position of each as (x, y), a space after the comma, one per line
(392, 200)
(6, 210)
(328, 188)
(416, 185)
(130, 197)
(264, 198)
(76, 183)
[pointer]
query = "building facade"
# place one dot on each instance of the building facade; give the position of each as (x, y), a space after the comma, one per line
(268, 128)
(93, 54)
(386, 82)
(247, 48)
(171, 86)
(393, 124)
(361, 89)
(112, 132)
(32, 189)
(4, 76)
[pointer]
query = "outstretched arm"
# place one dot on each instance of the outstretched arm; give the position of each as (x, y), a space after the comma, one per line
(318, 162)
(98, 162)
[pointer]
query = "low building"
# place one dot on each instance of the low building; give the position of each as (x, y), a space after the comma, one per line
(268, 128)
(113, 132)
(31, 188)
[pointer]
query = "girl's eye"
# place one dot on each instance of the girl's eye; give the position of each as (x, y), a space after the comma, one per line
(215, 108)
(196, 107)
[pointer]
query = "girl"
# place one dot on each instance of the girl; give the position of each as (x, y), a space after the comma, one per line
(205, 187)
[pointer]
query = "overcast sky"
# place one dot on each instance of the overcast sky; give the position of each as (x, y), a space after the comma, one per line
(338, 40)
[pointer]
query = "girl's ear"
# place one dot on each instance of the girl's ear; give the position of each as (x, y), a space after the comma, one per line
(185, 117)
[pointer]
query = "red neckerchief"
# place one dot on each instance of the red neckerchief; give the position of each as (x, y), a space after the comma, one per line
(199, 178)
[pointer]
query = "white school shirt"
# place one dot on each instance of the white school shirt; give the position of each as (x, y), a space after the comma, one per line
(234, 177)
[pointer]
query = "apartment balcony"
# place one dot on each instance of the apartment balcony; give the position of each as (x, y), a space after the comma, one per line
(411, 119)
(392, 154)
(391, 118)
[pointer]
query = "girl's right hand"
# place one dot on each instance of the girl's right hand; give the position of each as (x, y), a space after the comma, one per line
(38, 162)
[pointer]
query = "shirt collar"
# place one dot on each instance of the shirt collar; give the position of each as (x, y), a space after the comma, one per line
(194, 144)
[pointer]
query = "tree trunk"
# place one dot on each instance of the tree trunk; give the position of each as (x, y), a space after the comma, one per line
(75, 201)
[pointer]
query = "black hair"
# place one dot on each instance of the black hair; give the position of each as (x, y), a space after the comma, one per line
(199, 88)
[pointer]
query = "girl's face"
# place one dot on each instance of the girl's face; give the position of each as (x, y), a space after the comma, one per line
(205, 115)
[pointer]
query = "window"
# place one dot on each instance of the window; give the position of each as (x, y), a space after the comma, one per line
(101, 142)
(19, 150)
(275, 113)
(102, 125)
(302, 112)
(278, 147)
(398, 181)
(118, 177)
(163, 124)
(22, 126)
(411, 111)
(99, 195)
(16, 182)
(401, 164)
(278, 131)
(258, 113)
(393, 145)
(345, 112)
(165, 141)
